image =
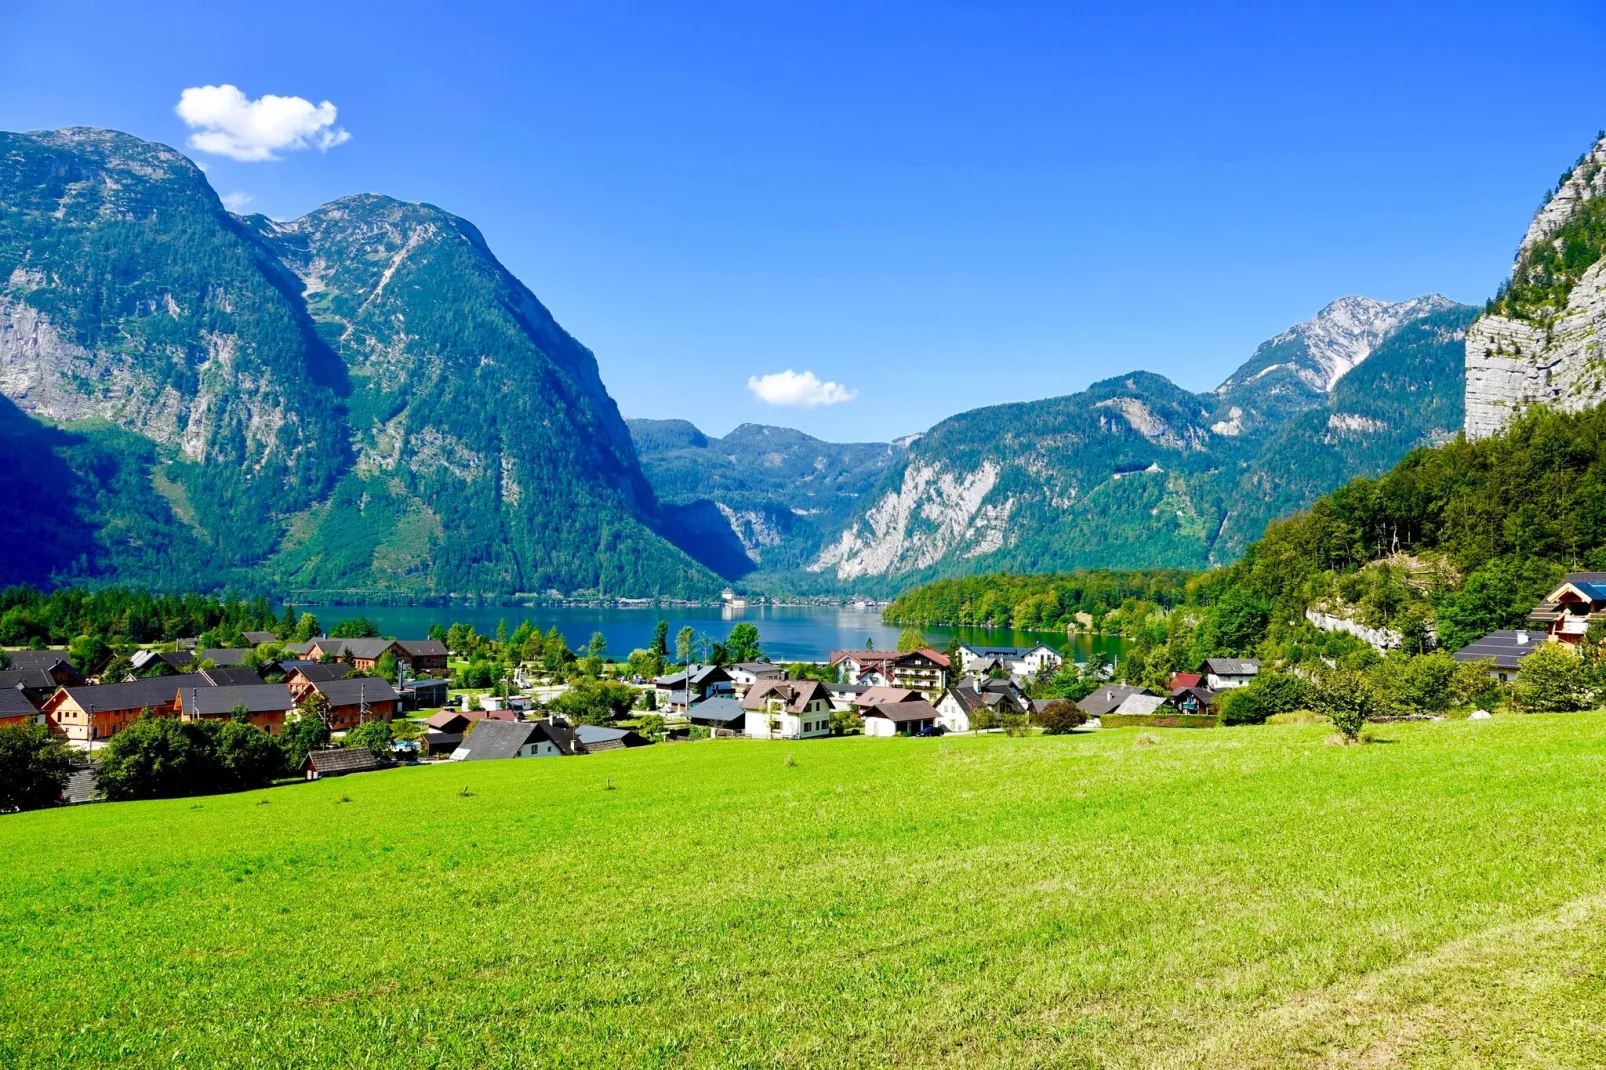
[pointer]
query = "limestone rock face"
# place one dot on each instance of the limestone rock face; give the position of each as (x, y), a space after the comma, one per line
(1542, 354)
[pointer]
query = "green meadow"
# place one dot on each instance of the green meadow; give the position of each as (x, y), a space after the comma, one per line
(1243, 897)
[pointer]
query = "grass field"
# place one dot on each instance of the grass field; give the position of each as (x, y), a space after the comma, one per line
(1245, 897)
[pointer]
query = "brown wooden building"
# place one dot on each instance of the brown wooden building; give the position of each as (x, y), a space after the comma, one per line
(95, 712)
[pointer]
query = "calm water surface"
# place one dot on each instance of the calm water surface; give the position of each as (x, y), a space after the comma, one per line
(802, 633)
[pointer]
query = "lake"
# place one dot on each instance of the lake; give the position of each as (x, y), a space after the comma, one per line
(786, 633)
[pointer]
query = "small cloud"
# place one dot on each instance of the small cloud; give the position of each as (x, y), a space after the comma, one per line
(798, 390)
(236, 200)
(229, 123)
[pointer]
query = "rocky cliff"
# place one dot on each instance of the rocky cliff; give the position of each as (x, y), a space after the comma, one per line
(1539, 344)
(359, 402)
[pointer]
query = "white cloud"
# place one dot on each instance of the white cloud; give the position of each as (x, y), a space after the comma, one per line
(229, 123)
(236, 200)
(802, 391)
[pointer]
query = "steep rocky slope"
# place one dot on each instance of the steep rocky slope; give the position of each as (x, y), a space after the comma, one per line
(1540, 342)
(362, 401)
(1137, 472)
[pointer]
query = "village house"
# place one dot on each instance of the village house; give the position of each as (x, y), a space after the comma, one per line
(52, 662)
(1107, 699)
(596, 738)
(421, 657)
(424, 694)
(722, 715)
(1141, 704)
(490, 740)
(1567, 612)
(845, 696)
(258, 638)
(959, 704)
(266, 705)
(900, 718)
(17, 710)
(1019, 662)
(339, 761)
(691, 685)
(39, 680)
(917, 670)
(94, 712)
(361, 654)
(1504, 650)
(1221, 673)
(1193, 700)
(443, 731)
(357, 700)
(230, 676)
(883, 695)
(302, 678)
(787, 709)
(745, 674)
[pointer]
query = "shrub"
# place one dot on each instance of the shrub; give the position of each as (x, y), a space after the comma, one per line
(306, 733)
(846, 722)
(164, 758)
(1278, 692)
(1242, 705)
(595, 701)
(651, 726)
(1060, 716)
(1552, 679)
(1015, 724)
(34, 768)
(1347, 699)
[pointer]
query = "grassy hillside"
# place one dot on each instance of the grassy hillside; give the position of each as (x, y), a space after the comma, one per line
(1228, 898)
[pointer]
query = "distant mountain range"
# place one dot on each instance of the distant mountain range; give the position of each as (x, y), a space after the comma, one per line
(364, 403)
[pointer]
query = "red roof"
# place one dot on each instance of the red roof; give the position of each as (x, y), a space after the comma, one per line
(937, 656)
(1185, 679)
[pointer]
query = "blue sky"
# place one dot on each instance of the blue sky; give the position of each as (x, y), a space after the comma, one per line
(936, 206)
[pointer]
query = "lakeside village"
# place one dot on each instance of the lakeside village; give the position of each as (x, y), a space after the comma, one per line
(246, 709)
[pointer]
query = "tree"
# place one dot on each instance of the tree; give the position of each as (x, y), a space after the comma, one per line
(869, 642)
(387, 666)
(846, 722)
(555, 651)
(742, 645)
(437, 633)
(457, 638)
(34, 767)
(911, 639)
(1280, 692)
(247, 757)
(501, 632)
(1346, 697)
(304, 734)
(354, 628)
(598, 644)
(315, 706)
(287, 623)
(306, 627)
(595, 701)
(956, 658)
(158, 758)
(1552, 679)
(1060, 717)
(651, 726)
(89, 652)
(660, 640)
(375, 735)
(1242, 705)
(684, 639)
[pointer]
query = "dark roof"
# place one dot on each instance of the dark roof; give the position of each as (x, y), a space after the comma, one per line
(366, 649)
(338, 760)
(225, 655)
(1000, 651)
(13, 703)
(259, 637)
(593, 738)
(902, 712)
(318, 672)
(179, 659)
(37, 679)
(1232, 666)
(231, 676)
(1106, 699)
(257, 698)
(370, 689)
(759, 668)
(720, 710)
(420, 687)
(498, 739)
(700, 674)
(1507, 648)
(134, 695)
(1203, 695)
(423, 648)
(37, 659)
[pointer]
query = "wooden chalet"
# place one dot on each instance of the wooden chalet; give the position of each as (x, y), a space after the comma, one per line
(338, 761)
(302, 678)
(357, 700)
(96, 712)
(1568, 611)
(266, 705)
(16, 709)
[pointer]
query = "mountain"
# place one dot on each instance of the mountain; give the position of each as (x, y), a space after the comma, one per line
(1540, 340)
(761, 497)
(360, 402)
(1137, 472)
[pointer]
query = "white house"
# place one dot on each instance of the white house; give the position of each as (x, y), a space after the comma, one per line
(787, 709)
(1015, 660)
(957, 708)
(744, 675)
(1222, 673)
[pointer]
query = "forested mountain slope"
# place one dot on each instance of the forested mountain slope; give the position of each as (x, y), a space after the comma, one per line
(359, 402)
(1136, 472)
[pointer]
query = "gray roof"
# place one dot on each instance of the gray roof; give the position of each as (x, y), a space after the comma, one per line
(38, 679)
(338, 760)
(231, 676)
(134, 695)
(13, 703)
(366, 649)
(700, 674)
(258, 698)
(259, 637)
(1503, 646)
(1106, 699)
(225, 655)
(797, 694)
(1232, 666)
(491, 740)
(722, 709)
(423, 648)
(1141, 703)
(318, 672)
(36, 659)
(592, 738)
(370, 689)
